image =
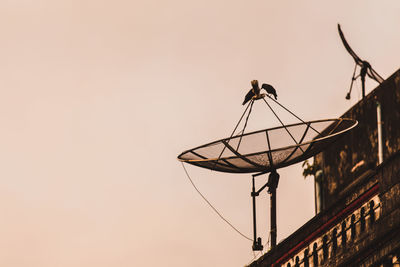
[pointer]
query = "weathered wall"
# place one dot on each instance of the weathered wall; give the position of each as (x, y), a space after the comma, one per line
(376, 244)
(347, 192)
(361, 144)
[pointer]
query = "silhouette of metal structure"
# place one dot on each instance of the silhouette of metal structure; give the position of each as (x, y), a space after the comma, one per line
(366, 68)
(265, 151)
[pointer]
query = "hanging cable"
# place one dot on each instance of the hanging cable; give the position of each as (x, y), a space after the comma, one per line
(216, 211)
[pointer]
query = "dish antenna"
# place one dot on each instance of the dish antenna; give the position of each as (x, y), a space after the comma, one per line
(265, 151)
(366, 68)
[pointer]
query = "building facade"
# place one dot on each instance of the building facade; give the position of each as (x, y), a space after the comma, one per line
(358, 193)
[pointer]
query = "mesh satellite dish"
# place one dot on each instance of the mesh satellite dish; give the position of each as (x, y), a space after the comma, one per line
(259, 151)
(267, 150)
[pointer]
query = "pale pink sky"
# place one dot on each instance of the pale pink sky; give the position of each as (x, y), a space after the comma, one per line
(99, 97)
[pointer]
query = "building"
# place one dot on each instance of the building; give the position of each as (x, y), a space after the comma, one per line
(358, 193)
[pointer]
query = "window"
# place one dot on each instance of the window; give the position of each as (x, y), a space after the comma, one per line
(343, 234)
(362, 219)
(315, 254)
(371, 212)
(325, 247)
(334, 241)
(306, 263)
(353, 226)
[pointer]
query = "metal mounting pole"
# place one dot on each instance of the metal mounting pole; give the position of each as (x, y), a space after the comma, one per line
(379, 122)
(273, 219)
(363, 86)
(257, 245)
(253, 195)
(273, 181)
(272, 184)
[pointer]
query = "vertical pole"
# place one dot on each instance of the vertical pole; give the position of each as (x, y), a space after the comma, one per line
(363, 85)
(379, 122)
(253, 194)
(316, 196)
(318, 191)
(273, 218)
(257, 241)
(273, 181)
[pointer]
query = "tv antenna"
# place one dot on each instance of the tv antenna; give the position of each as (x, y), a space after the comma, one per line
(366, 68)
(265, 151)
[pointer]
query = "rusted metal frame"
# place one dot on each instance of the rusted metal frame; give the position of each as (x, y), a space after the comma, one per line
(282, 124)
(230, 164)
(269, 150)
(259, 131)
(301, 140)
(240, 156)
(197, 154)
(216, 162)
(233, 132)
(220, 167)
(308, 149)
(337, 125)
(245, 125)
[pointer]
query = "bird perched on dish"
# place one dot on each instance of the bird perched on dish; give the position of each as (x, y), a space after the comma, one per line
(270, 90)
(255, 94)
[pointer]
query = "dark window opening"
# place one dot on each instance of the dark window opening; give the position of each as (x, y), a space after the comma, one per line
(362, 219)
(334, 241)
(297, 262)
(315, 254)
(344, 236)
(353, 226)
(371, 212)
(325, 247)
(306, 264)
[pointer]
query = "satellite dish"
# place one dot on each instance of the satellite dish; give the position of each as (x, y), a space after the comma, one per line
(366, 68)
(258, 151)
(267, 150)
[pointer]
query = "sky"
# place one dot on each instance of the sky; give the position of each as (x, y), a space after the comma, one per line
(98, 98)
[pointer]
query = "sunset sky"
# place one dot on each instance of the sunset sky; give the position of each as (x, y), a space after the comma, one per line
(97, 99)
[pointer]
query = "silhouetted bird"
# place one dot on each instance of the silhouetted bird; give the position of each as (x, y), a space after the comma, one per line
(270, 90)
(253, 93)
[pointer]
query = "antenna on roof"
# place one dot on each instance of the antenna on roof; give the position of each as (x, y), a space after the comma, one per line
(366, 68)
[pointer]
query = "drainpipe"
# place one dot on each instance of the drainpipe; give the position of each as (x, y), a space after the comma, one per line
(318, 191)
(379, 121)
